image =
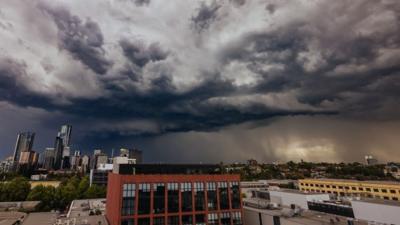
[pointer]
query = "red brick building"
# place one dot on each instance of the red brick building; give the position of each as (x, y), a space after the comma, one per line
(173, 195)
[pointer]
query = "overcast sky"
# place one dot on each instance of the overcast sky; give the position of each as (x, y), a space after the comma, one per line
(204, 81)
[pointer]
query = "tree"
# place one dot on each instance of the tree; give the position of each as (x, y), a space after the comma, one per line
(46, 196)
(16, 190)
(95, 191)
(83, 186)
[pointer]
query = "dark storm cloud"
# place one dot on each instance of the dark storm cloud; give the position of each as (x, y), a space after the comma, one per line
(84, 40)
(238, 2)
(140, 55)
(206, 14)
(141, 2)
(337, 58)
(13, 88)
(285, 46)
(271, 8)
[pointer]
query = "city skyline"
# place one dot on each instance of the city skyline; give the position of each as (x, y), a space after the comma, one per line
(204, 81)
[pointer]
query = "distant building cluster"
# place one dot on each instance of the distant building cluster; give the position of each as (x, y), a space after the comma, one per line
(62, 158)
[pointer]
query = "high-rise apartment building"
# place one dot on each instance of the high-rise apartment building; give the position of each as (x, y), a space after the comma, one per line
(144, 194)
(24, 144)
(28, 161)
(48, 158)
(62, 151)
(85, 164)
(132, 153)
(65, 134)
(58, 153)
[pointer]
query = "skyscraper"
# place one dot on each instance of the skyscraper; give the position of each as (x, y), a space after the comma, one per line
(58, 151)
(24, 144)
(48, 158)
(65, 134)
(62, 148)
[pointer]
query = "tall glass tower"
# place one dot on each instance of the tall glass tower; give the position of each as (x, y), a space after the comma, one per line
(24, 144)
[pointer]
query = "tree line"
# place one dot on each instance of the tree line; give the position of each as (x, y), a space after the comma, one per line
(51, 198)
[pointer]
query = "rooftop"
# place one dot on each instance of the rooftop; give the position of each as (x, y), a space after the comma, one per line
(10, 218)
(44, 218)
(85, 206)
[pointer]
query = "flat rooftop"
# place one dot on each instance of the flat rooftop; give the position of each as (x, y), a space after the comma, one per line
(10, 218)
(83, 207)
(353, 181)
(44, 218)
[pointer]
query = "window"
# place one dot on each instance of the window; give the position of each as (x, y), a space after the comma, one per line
(395, 199)
(128, 199)
(393, 191)
(237, 218)
(144, 221)
(225, 218)
(223, 195)
(173, 198)
(384, 190)
(353, 188)
(187, 220)
(386, 198)
(328, 186)
(212, 196)
(158, 221)
(333, 186)
(312, 185)
(159, 198)
(200, 219)
(277, 220)
(213, 219)
(173, 220)
(376, 190)
(186, 195)
(347, 188)
(199, 196)
(128, 222)
(235, 195)
(368, 189)
(361, 189)
(144, 199)
(340, 187)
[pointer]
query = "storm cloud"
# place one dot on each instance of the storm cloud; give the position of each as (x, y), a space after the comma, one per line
(127, 72)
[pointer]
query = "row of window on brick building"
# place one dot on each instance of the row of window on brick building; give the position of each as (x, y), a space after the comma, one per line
(173, 190)
(222, 218)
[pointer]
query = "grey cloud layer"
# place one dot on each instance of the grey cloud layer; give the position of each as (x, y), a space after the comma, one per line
(151, 69)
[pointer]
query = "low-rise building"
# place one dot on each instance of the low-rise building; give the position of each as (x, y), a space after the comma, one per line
(352, 188)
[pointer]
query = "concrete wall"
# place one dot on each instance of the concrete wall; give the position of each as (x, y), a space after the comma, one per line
(286, 198)
(376, 212)
(251, 217)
